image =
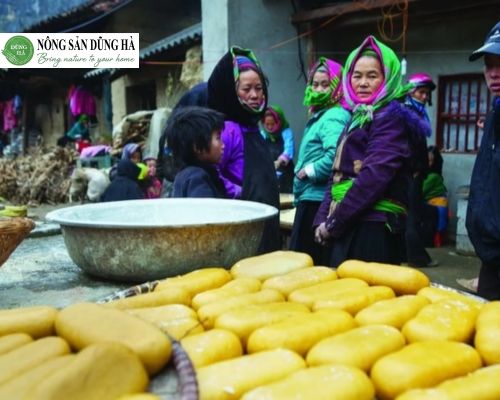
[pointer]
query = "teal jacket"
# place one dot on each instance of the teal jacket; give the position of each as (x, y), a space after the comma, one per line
(317, 151)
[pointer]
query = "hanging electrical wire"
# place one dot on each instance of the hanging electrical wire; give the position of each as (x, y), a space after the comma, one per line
(362, 5)
(393, 12)
(389, 16)
(386, 27)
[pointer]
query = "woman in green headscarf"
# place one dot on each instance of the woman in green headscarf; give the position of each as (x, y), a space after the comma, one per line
(80, 130)
(328, 117)
(279, 140)
(364, 208)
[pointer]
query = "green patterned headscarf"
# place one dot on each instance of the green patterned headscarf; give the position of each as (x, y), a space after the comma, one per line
(318, 101)
(391, 88)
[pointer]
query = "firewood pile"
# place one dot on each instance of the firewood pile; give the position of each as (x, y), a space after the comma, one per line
(42, 176)
(134, 128)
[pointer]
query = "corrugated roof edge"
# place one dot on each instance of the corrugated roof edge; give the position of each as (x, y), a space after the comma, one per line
(191, 33)
(63, 14)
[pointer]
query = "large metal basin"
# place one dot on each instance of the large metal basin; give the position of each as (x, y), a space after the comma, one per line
(142, 240)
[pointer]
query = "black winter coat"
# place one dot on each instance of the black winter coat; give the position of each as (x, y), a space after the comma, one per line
(125, 185)
(198, 181)
(483, 212)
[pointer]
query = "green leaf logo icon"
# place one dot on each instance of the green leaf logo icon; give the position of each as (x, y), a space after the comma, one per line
(18, 50)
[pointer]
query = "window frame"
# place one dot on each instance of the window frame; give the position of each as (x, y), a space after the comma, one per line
(448, 121)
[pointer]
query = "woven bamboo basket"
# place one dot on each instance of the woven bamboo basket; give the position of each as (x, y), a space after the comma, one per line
(172, 382)
(12, 233)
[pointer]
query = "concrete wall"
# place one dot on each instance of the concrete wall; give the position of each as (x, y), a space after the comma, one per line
(119, 92)
(119, 99)
(259, 25)
(46, 111)
(457, 170)
(49, 120)
(214, 25)
(154, 19)
(99, 132)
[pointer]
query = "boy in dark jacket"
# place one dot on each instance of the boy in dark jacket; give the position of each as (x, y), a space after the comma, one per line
(194, 136)
(165, 171)
(125, 186)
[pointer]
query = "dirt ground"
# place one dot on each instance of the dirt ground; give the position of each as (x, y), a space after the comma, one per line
(40, 271)
(452, 265)
(38, 212)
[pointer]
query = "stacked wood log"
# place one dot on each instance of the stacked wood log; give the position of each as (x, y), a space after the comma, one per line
(133, 128)
(42, 176)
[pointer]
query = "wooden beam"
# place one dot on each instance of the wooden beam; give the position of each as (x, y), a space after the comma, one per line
(340, 9)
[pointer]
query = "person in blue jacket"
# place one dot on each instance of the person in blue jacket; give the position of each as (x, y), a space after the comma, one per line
(328, 118)
(80, 130)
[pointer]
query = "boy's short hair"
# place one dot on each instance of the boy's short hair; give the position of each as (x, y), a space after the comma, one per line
(189, 129)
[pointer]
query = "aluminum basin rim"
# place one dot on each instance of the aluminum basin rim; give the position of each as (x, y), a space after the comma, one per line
(65, 219)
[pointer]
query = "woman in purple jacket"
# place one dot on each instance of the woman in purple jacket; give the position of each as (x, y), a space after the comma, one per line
(237, 88)
(364, 207)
